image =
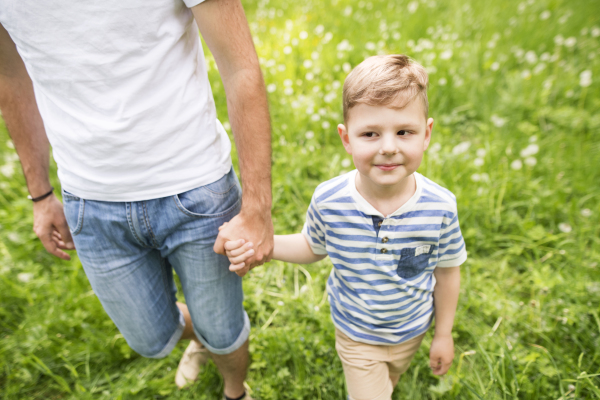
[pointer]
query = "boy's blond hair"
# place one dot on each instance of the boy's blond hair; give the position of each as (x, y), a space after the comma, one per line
(383, 80)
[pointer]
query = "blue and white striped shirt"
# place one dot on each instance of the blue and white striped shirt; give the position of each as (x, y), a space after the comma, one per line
(381, 285)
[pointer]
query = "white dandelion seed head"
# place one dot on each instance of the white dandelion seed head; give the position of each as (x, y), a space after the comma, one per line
(311, 148)
(475, 177)
(498, 122)
(348, 11)
(481, 153)
(315, 117)
(316, 308)
(531, 57)
(533, 139)
(314, 55)
(287, 82)
(595, 32)
(325, 125)
(495, 66)
(516, 165)
(8, 170)
(531, 161)
(288, 91)
(530, 150)
(586, 212)
(479, 162)
(442, 82)
(570, 41)
(336, 84)
(271, 87)
(24, 277)
(564, 227)
(328, 36)
(280, 303)
(309, 135)
(545, 15)
(413, 6)
(435, 147)
(446, 54)
(347, 67)
(287, 50)
(309, 76)
(526, 74)
(346, 162)
(585, 78)
(319, 29)
(370, 46)
(461, 148)
(307, 63)
(303, 35)
(559, 40)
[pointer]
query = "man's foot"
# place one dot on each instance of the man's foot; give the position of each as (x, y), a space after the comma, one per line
(246, 397)
(193, 357)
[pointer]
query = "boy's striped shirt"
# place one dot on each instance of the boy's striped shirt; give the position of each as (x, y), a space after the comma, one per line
(381, 285)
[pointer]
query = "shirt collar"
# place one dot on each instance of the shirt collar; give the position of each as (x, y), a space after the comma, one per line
(363, 205)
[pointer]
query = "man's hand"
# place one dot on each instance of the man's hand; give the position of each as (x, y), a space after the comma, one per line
(441, 354)
(50, 225)
(253, 227)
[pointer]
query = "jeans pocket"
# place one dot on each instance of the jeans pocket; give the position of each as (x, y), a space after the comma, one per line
(74, 208)
(216, 199)
(414, 260)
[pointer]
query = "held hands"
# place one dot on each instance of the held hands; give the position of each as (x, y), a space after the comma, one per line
(50, 225)
(238, 251)
(441, 354)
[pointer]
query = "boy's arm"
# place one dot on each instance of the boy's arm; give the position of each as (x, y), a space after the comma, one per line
(294, 249)
(445, 300)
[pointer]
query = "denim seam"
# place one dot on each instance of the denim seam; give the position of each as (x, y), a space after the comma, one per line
(131, 227)
(148, 226)
(80, 211)
(239, 341)
(191, 214)
(220, 194)
(175, 337)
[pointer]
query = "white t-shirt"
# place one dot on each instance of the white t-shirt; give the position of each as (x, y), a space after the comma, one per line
(123, 91)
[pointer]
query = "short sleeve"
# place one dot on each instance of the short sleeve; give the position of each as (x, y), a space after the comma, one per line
(451, 249)
(314, 229)
(192, 3)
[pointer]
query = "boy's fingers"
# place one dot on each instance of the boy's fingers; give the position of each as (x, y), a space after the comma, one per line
(239, 250)
(240, 259)
(234, 244)
(236, 267)
(223, 226)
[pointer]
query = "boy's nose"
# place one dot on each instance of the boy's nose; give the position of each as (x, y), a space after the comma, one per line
(389, 146)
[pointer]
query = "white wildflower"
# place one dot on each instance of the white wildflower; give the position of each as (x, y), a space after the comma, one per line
(316, 308)
(314, 55)
(531, 57)
(412, 7)
(478, 162)
(307, 63)
(271, 87)
(303, 35)
(435, 148)
(370, 46)
(495, 66)
(309, 135)
(545, 15)
(288, 91)
(595, 32)
(24, 277)
(287, 50)
(446, 54)
(346, 67)
(516, 165)
(309, 76)
(481, 153)
(325, 125)
(533, 139)
(586, 212)
(531, 161)
(497, 121)
(328, 36)
(287, 82)
(295, 42)
(585, 78)
(315, 117)
(319, 29)
(570, 41)
(530, 150)
(559, 40)
(564, 227)
(545, 56)
(8, 170)
(461, 148)
(348, 11)
(539, 68)
(280, 303)
(442, 82)
(475, 177)
(526, 74)
(346, 163)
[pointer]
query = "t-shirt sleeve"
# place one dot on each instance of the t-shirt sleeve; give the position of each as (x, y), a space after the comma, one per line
(314, 229)
(192, 3)
(451, 249)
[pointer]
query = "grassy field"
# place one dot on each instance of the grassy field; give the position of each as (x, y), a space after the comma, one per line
(515, 95)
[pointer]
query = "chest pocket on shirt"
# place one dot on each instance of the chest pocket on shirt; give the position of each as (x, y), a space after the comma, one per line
(414, 260)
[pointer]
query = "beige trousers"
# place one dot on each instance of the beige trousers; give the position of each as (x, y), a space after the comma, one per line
(373, 371)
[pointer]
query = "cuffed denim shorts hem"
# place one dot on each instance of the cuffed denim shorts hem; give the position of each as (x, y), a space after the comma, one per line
(172, 341)
(241, 339)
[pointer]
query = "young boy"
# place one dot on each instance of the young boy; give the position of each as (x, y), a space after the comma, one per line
(392, 234)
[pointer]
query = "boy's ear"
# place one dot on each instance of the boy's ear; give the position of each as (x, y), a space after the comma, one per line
(343, 132)
(428, 130)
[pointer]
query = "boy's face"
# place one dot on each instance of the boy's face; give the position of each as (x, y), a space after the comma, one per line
(386, 144)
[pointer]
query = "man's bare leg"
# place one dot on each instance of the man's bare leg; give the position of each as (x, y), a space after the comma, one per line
(233, 367)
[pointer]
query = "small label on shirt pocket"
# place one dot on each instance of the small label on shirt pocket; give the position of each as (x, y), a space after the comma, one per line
(414, 260)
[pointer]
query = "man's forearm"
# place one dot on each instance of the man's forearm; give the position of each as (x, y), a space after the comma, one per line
(22, 117)
(445, 298)
(249, 119)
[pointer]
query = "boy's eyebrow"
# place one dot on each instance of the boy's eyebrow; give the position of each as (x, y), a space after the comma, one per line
(407, 125)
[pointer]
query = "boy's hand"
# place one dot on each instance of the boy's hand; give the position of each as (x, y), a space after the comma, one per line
(238, 251)
(441, 354)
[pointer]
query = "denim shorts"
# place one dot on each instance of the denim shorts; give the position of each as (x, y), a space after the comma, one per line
(130, 249)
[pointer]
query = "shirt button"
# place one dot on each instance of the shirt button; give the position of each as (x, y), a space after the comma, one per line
(379, 223)
(384, 240)
(384, 251)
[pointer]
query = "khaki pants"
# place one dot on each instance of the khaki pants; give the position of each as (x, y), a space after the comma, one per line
(372, 371)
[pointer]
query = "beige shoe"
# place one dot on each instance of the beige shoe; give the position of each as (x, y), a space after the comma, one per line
(247, 397)
(193, 358)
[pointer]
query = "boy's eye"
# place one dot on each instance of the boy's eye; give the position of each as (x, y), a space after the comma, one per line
(370, 134)
(403, 132)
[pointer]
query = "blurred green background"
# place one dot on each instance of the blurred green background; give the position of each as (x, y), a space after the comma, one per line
(514, 91)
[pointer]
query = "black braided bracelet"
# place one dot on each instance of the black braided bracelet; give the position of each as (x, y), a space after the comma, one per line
(42, 197)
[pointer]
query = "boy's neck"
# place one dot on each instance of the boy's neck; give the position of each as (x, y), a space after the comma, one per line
(386, 199)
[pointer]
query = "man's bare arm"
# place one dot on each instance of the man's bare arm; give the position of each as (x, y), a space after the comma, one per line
(22, 117)
(225, 29)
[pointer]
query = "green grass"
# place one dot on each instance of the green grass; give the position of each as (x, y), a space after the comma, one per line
(502, 79)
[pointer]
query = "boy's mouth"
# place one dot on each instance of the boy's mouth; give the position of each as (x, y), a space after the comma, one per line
(387, 167)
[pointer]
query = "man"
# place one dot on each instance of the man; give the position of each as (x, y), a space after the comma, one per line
(120, 91)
